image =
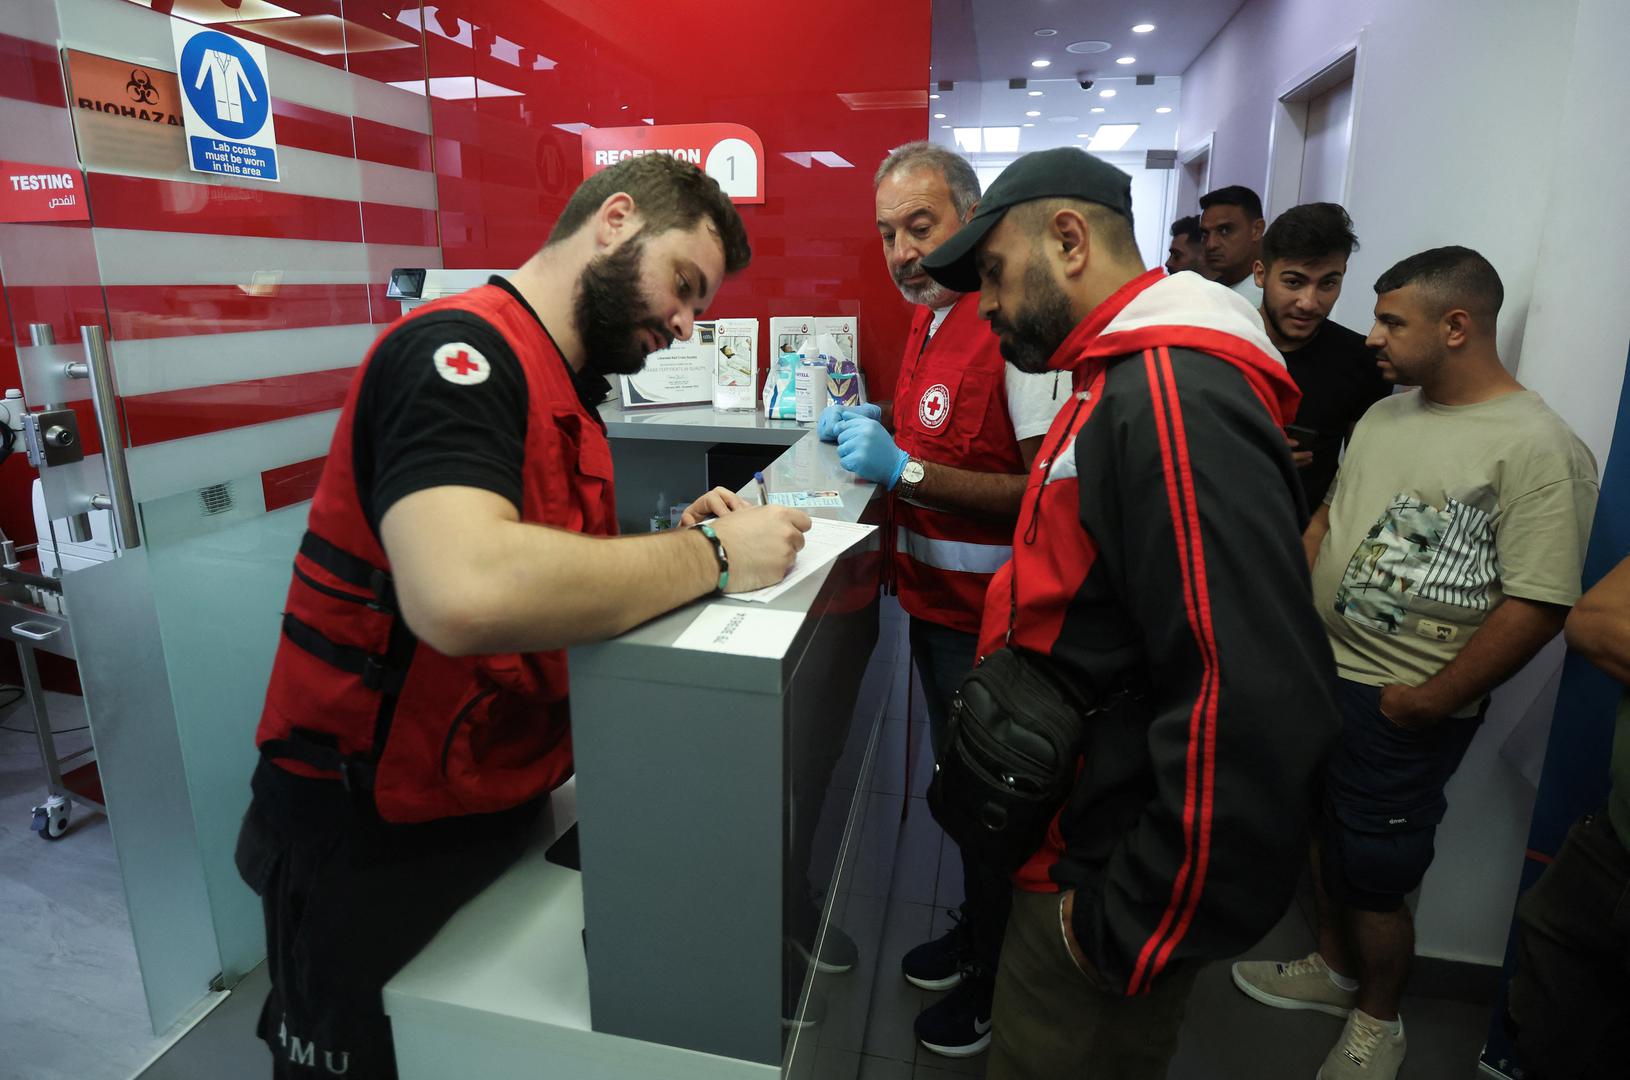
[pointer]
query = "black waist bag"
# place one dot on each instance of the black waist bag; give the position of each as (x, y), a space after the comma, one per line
(1009, 758)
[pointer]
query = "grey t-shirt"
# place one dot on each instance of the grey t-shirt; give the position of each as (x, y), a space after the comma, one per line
(1437, 514)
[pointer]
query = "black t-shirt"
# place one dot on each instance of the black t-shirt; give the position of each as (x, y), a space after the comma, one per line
(1339, 381)
(422, 422)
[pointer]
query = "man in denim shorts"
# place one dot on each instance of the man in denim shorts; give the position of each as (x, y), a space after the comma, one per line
(1447, 553)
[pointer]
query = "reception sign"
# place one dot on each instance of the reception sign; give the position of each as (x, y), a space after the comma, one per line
(730, 153)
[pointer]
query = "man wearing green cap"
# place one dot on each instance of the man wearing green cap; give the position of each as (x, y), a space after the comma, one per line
(1157, 558)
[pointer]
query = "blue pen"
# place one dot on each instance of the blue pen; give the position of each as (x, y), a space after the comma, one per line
(763, 491)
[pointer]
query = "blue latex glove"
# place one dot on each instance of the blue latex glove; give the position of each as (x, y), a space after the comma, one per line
(867, 449)
(832, 415)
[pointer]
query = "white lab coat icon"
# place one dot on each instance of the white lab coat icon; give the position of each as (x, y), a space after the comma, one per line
(229, 76)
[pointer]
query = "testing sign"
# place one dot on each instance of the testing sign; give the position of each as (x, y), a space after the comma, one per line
(226, 104)
(41, 193)
(730, 153)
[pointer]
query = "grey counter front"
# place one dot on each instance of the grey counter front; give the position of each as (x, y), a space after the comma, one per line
(731, 827)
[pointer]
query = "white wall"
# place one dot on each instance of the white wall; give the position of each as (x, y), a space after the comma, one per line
(1495, 124)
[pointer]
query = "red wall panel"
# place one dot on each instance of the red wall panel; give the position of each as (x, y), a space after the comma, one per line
(504, 169)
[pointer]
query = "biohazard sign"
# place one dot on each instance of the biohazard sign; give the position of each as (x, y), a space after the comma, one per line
(226, 103)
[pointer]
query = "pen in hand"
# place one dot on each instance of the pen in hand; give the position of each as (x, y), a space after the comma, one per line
(763, 490)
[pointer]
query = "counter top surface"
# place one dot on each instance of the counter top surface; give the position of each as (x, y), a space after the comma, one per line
(698, 423)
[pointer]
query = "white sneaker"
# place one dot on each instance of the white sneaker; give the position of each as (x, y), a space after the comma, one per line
(1294, 984)
(1365, 1051)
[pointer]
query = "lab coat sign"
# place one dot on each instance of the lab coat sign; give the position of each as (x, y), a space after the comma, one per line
(226, 103)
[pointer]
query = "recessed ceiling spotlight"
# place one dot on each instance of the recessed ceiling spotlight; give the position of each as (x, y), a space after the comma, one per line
(1046, 31)
(1083, 135)
(945, 127)
(933, 97)
(1126, 59)
(1041, 63)
(1097, 108)
(939, 116)
(1106, 93)
(1164, 109)
(1029, 125)
(1033, 112)
(1035, 93)
(1087, 47)
(1143, 28)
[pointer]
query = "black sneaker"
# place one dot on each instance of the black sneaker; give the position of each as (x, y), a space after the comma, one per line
(838, 952)
(938, 964)
(958, 1025)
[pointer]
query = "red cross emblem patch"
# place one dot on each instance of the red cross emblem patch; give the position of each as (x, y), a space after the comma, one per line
(461, 363)
(935, 407)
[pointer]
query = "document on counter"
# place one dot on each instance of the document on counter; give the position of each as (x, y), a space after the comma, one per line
(744, 631)
(825, 541)
(803, 499)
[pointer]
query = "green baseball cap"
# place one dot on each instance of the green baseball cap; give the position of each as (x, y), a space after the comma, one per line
(1065, 172)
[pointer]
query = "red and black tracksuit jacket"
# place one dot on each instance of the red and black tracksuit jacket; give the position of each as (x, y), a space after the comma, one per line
(1158, 550)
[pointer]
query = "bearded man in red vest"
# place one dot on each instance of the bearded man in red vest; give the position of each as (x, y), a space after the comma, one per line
(963, 432)
(462, 536)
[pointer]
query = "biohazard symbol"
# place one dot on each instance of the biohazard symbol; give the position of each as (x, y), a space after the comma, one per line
(141, 88)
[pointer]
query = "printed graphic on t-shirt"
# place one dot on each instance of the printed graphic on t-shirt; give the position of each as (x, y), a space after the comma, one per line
(1415, 551)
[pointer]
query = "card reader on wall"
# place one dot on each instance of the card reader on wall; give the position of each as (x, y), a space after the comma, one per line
(415, 285)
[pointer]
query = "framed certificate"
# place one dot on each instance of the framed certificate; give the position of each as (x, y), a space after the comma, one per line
(681, 374)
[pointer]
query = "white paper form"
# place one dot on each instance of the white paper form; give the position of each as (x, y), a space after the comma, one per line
(727, 628)
(825, 541)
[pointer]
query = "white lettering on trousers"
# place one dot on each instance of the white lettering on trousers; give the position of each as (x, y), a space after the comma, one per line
(305, 1053)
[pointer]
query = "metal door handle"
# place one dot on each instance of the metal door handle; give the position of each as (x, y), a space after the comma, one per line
(104, 398)
(45, 631)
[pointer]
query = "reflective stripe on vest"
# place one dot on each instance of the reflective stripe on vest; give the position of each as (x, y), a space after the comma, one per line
(952, 554)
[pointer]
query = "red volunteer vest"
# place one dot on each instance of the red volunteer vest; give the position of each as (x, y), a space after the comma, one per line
(950, 407)
(354, 695)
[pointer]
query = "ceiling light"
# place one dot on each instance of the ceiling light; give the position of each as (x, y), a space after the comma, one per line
(1028, 124)
(1046, 31)
(939, 116)
(1126, 59)
(1164, 109)
(1001, 140)
(1143, 28)
(1083, 135)
(933, 97)
(1033, 112)
(1034, 93)
(1088, 47)
(1111, 136)
(1041, 63)
(1097, 108)
(1106, 93)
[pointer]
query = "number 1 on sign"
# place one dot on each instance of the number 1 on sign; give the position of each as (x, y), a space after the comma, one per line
(722, 163)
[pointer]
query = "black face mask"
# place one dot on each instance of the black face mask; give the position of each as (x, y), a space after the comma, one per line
(610, 311)
(1035, 334)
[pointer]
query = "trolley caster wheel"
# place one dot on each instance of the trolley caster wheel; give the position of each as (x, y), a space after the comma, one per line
(51, 819)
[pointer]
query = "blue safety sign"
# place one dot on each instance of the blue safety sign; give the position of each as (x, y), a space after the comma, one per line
(226, 104)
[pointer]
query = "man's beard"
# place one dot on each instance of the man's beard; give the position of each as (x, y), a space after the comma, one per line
(1279, 327)
(1037, 330)
(610, 310)
(932, 295)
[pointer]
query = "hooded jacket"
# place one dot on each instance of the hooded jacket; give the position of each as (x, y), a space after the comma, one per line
(1158, 555)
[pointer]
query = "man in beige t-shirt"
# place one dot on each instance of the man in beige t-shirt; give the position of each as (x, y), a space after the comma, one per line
(1447, 553)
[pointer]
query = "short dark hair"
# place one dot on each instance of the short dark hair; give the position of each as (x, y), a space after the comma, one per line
(670, 194)
(1109, 228)
(1449, 277)
(1310, 231)
(1188, 228)
(1234, 195)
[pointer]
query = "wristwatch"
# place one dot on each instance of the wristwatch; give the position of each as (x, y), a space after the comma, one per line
(718, 553)
(910, 476)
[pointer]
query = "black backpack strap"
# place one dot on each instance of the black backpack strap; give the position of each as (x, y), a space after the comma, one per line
(384, 673)
(321, 750)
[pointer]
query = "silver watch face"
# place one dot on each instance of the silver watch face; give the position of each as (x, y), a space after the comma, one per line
(913, 472)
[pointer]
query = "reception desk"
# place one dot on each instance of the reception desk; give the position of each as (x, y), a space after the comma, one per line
(733, 824)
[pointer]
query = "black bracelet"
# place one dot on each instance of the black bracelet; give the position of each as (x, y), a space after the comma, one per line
(718, 553)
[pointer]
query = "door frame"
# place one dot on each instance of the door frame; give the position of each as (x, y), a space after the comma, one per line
(1287, 133)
